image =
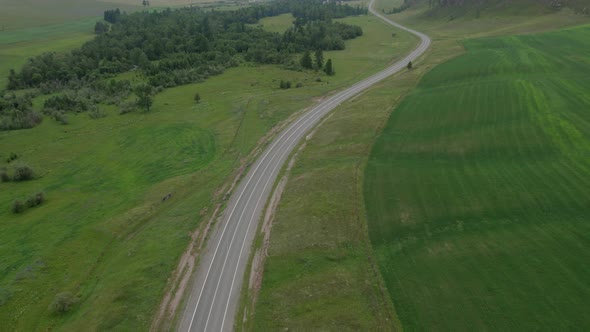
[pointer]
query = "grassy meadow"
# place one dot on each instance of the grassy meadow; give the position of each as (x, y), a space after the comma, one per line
(278, 23)
(16, 46)
(477, 191)
(104, 235)
(19, 14)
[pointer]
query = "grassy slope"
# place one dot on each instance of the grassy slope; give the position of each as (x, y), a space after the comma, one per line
(477, 191)
(317, 275)
(490, 22)
(104, 234)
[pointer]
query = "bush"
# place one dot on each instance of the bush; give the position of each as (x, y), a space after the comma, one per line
(23, 173)
(18, 206)
(19, 119)
(17, 113)
(96, 112)
(4, 177)
(299, 85)
(13, 156)
(36, 199)
(69, 101)
(61, 118)
(63, 303)
(285, 84)
(126, 107)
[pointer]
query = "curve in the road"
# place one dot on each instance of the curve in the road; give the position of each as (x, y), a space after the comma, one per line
(218, 280)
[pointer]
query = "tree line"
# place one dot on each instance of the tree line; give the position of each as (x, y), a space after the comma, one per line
(181, 46)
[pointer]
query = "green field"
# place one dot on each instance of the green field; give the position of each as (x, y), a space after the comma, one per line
(16, 46)
(19, 14)
(104, 234)
(478, 189)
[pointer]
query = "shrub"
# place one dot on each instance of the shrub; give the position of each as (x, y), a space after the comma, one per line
(126, 107)
(4, 177)
(299, 85)
(285, 84)
(18, 206)
(16, 112)
(96, 112)
(13, 156)
(19, 119)
(23, 173)
(36, 199)
(61, 118)
(63, 303)
(69, 101)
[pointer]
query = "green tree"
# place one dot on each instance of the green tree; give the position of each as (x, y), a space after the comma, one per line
(13, 80)
(144, 94)
(306, 60)
(139, 58)
(197, 97)
(328, 68)
(101, 27)
(410, 65)
(285, 84)
(319, 59)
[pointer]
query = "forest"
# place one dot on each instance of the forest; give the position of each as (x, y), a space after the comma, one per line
(169, 48)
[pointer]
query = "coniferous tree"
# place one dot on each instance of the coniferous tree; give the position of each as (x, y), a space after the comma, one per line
(328, 68)
(319, 59)
(101, 27)
(306, 60)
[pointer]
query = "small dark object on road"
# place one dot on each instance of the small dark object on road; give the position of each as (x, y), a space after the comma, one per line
(167, 197)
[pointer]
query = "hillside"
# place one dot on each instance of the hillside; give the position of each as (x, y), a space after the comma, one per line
(456, 8)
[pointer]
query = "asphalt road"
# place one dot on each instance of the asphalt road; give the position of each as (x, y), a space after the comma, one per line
(216, 289)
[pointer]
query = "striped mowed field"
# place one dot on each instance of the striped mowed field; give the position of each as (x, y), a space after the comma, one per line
(478, 189)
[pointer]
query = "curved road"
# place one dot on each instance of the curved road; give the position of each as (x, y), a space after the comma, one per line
(216, 290)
